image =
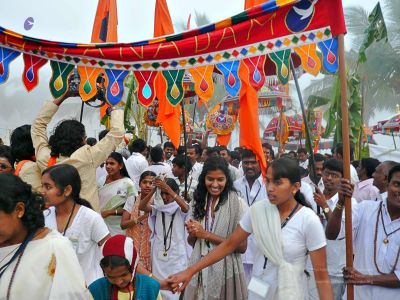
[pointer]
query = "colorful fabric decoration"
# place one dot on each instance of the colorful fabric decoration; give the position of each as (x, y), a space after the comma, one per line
(220, 121)
(115, 87)
(32, 64)
(309, 58)
(88, 83)
(151, 113)
(330, 56)
(281, 59)
(256, 71)
(175, 91)
(6, 57)
(231, 76)
(203, 81)
(59, 78)
(146, 91)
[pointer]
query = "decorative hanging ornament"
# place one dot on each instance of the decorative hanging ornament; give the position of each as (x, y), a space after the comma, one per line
(175, 91)
(115, 88)
(146, 91)
(256, 71)
(30, 76)
(330, 55)
(88, 83)
(309, 58)
(203, 81)
(6, 57)
(59, 79)
(230, 71)
(281, 59)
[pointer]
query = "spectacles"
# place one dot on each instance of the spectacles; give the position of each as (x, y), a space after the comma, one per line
(4, 166)
(331, 174)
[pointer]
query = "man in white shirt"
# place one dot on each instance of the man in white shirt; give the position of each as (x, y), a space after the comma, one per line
(181, 168)
(376, 240)
(251, 188)
(335, 250)
(225, 154)
(158, 166)
(194, 153)
(169, 150)
(365, 189)
(381, 178)
(137, 163)
(319, 160)
(303, 158)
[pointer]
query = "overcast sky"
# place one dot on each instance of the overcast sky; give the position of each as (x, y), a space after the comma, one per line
(72, 20)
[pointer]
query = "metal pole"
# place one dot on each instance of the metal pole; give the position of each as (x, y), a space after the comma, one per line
(184, 142)
(394, 141)
(305, 121)
(80, 118)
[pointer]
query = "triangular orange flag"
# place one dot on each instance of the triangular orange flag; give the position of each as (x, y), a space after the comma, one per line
(168, 115)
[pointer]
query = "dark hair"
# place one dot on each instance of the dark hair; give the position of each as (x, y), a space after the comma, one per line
(5, 152)
(91, 141)
(303, 172)
(103, 133)
(114, 261)
(168, 145)
(21, 143)
(301, 150)
(120, 160)
(137, 145)
(369, 164)
(235, 155)
(393, 170)
(182, 161)
(145, 174)
(355, 163)
(271, 150)
(388, 164)
(156, 154)
(172, 184)
(196, 148)
(14, 190)
(181, 150)
(67, 138)
(339, 149)
(212, 150)
(334, 164)
(64, 175)
(288, 168)
(319, 157)
(246, 153)
(200, 194)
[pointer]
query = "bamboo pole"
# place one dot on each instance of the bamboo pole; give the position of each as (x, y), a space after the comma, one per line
(346, 159)
(184, 143)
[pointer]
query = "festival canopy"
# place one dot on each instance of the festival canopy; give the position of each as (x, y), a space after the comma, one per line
(240, 48)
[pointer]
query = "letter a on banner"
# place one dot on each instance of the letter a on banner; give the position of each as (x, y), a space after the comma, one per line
(30, 76)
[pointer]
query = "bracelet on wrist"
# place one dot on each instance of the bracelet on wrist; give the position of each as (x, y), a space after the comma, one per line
(339, 206)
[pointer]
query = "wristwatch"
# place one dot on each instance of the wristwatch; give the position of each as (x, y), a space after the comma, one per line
(326, 210)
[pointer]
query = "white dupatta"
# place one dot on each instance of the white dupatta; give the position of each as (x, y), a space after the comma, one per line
(267, 231)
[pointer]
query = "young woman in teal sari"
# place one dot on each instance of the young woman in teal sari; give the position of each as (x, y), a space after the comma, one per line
(114, 193)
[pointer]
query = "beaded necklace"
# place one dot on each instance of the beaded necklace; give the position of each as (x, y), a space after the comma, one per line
(385, 241)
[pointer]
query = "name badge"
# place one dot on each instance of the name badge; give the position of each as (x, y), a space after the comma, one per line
(258, 287)
(162, 255)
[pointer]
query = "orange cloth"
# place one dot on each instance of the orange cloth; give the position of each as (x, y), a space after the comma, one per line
(105, 8)
(248, 118)
(251, 3)
(168, 115)
(223, 140)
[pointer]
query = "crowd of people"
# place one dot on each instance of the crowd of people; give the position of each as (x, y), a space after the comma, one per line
(88, 219)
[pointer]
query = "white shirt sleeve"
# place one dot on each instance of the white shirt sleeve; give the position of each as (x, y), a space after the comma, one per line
(245, 222)
(99, 229)
(314, 232)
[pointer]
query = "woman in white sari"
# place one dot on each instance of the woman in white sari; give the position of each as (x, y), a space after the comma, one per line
(114, 193)
(35, 262)
(285, 231)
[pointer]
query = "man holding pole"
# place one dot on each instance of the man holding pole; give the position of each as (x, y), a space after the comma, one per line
(376, 238)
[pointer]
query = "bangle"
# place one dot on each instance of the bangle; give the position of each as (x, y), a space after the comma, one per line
(339, 206)
(116, 212)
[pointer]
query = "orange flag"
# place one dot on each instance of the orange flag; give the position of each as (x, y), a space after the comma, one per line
(248, 116)
(168, 115)
(105, 30)
(223, 140)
